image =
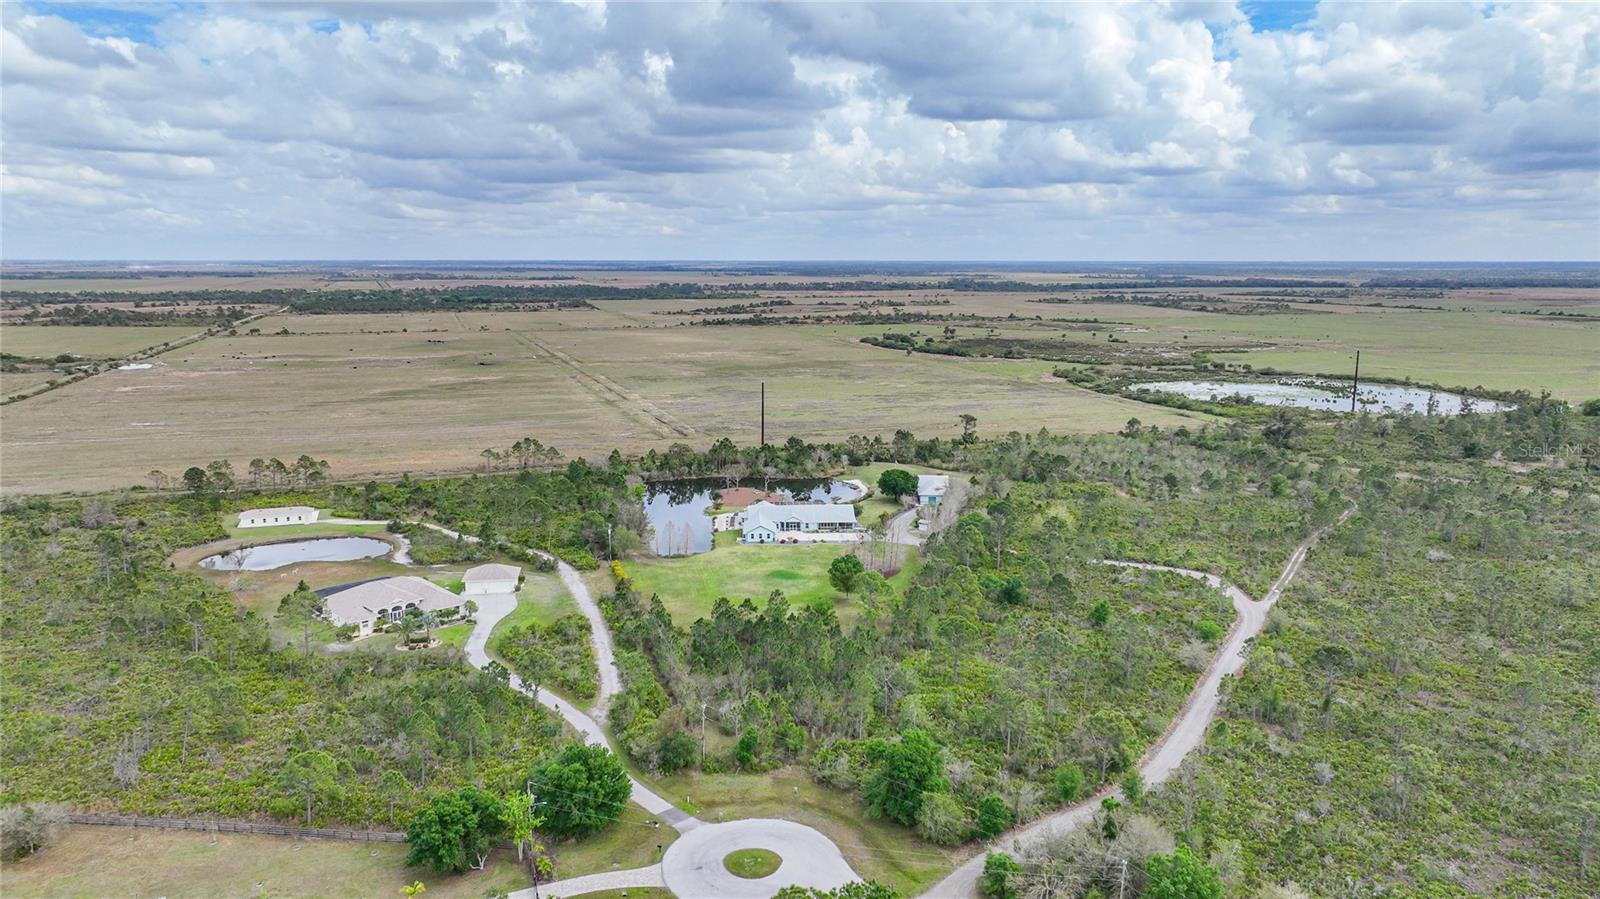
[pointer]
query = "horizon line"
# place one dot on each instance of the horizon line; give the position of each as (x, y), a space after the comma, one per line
(286, 260)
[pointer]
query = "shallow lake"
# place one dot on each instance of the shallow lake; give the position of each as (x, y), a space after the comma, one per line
(1309, 393)
(276, 555)
(676, 510)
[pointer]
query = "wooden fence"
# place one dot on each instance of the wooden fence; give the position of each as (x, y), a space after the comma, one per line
(206, 825)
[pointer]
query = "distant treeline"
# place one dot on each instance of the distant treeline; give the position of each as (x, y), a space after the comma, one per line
(79, 314)
(476, 296)
(1221, 305)
(1001, 285)
(1585, 280)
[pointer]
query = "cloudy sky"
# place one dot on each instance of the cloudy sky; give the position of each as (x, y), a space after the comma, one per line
(1178, 130)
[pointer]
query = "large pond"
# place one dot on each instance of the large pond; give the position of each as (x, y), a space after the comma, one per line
(276, 555)
(1310, 393)
(676, 510)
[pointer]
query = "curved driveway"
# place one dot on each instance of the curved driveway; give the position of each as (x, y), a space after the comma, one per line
(692, 866)
(491, 609)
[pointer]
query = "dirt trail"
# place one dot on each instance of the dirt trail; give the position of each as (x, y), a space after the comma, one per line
(658, 420)
(1187, 731)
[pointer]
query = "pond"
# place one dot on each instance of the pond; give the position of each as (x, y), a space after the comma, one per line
(1312, 393)
(677, 510)
(276, 555)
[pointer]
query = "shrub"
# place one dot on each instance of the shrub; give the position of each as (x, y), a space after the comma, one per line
(994, 816)
(1179, 875)
(675, 752)
(25, 829)
(1069, 782)
(941, 820)
(456, 830)
(581, 790)
(999, 870)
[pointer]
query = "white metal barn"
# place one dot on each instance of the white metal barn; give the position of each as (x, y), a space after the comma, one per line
(931, 488)
(485, 580)
(279, 515)
(387, 599)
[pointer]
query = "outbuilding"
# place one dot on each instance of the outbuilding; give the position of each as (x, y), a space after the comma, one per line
(278, 515)
(931, 488)
(370, 604)
(485, 580)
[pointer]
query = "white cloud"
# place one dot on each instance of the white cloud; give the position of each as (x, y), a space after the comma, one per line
(649, 130)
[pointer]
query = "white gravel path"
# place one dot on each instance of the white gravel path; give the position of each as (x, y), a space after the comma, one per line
(594, 883)
(1186, 733)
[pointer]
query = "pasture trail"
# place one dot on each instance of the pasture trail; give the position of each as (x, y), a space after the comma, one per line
(658, 420)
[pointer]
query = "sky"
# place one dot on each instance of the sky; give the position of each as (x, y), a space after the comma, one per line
(462, 130)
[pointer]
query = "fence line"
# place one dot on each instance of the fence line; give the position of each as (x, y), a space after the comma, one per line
(224, 826)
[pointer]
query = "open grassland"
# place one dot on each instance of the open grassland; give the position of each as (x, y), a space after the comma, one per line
(385, 394)
(877, 849)
(91, 862)
(378, 395)
(87, 341)
(690, 585)
(1478, 340)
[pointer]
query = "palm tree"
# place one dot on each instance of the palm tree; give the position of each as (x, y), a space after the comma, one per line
(409, 622)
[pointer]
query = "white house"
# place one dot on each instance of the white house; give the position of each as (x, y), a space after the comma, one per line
(266, 518)
(931, 488)
(766, 522)
(491, 579)
(370, 603)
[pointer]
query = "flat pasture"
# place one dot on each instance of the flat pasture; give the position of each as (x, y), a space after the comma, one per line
(428, 392)
(88, 341)
(380, 395)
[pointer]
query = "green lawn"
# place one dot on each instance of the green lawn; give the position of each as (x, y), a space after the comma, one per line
(752, 864)
(878, 507)
(690, 585)
(541, 601)
(454, 634)
(629, 843)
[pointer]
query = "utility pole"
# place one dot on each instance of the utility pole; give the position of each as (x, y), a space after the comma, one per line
(1355, 382)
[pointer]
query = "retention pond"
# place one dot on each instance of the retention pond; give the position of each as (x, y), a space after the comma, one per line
(276, 555)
